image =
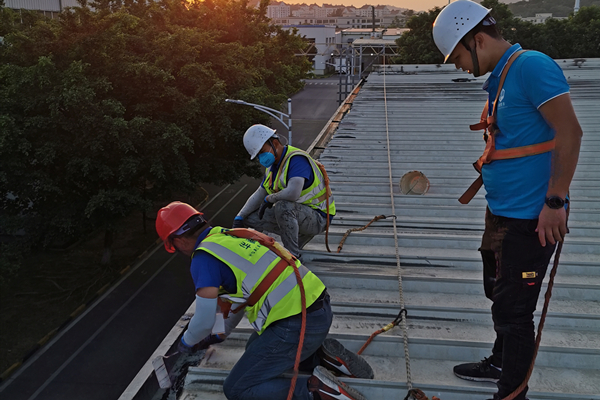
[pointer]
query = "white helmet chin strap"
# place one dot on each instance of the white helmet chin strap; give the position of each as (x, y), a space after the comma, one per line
(284, 139)
(473, 52)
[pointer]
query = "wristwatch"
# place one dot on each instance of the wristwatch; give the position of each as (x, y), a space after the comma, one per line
(555, 202)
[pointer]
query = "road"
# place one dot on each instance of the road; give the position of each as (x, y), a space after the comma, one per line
(100, 352)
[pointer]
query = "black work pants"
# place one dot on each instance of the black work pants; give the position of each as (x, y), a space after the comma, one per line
(514, 265)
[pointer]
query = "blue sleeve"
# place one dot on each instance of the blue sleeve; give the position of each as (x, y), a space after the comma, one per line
(542, 79)
(209, 271)
(299, 166)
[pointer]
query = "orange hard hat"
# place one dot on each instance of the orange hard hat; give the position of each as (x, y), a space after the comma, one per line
(171, 218)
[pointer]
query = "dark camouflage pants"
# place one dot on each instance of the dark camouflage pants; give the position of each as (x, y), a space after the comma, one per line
(294, 222)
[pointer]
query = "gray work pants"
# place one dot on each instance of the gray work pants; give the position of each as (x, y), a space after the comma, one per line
(296, 223)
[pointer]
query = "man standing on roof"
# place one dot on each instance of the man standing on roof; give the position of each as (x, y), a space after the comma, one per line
(293, 200)
(235, 268)
(531, 154)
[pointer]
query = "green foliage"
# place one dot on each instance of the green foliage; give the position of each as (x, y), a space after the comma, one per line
(576, 36)
(416, 45)
(102, 112)
(558, 8)
(11, 255)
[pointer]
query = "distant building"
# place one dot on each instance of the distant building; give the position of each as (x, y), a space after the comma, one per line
(367, 11)
(348, 36)
(323, 39)
(47, 7)
(346, 18)
(539, 18)
(278, 10)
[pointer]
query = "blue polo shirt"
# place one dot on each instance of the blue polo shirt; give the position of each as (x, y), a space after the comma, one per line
(209, 271)
(516, 188)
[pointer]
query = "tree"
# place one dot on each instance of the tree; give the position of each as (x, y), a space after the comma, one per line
(417, 45)
(558, 8)
(577, 36)
(584, 29)
(103, 111)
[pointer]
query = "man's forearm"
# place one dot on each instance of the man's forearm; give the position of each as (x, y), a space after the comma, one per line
(253, 202)
(290, 193)
(564, 163)
(202, 322)
(560, 115)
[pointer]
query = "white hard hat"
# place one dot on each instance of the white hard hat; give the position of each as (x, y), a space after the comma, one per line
(454, 22)
(255, 137)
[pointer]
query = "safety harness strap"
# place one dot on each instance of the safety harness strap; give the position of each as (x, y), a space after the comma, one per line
(471, 191)
(488, 123)
(286, 260)
(523, 151)
(263, 286)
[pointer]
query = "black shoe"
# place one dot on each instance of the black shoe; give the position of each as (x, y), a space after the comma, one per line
(481, 372)
(335, 357)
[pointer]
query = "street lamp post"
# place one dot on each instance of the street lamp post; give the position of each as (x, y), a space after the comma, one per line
(278, 115)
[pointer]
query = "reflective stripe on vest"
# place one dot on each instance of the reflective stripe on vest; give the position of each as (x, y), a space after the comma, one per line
(250, 263)
(490, 153)
(314, 196)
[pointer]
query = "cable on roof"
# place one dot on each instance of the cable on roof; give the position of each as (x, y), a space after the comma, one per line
(401, 292)
(349, 231)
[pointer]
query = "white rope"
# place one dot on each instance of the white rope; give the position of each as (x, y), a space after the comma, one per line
(403, 320)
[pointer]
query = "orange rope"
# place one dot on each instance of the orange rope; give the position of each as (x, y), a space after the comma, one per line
(302, 332)
(349, 231)
(327, 194)
(386, 328)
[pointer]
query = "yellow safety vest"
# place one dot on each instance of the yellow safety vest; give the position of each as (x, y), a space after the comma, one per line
(314, 196)
(251, 262)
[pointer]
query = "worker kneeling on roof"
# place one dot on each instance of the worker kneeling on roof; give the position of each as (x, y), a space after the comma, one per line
(243, 270)
(532, 147)
(292, 199)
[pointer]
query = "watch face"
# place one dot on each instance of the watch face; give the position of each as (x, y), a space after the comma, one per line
(555, 202)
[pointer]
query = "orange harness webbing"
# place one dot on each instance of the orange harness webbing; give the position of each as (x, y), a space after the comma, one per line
(287, 259)
(488, 123)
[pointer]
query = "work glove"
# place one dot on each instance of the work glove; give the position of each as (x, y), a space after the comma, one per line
(184, 348)
(263, 207)
(238, 222)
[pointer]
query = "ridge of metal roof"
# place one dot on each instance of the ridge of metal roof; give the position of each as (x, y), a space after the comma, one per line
(449, 321)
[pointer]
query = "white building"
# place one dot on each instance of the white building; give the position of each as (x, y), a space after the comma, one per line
(367, 11)
(48, 7)
(278, 10)
(303, 12)
(323, 38)
(539, 18)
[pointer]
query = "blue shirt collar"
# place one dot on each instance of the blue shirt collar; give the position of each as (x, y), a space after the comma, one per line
(203, 235)
(501, 64)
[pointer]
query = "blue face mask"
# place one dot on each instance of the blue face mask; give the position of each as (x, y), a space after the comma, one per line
(266, 159)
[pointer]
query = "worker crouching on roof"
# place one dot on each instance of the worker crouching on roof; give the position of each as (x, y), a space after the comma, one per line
(232, 268)
(292, 198)
(532, 148)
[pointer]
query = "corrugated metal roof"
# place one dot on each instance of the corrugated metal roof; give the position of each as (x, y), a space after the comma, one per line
(449, 321)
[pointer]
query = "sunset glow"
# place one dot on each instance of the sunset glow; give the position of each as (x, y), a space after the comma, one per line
(417, 5)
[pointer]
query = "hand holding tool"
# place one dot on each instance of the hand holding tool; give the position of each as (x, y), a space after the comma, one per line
(263, 207)
(238, 222)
